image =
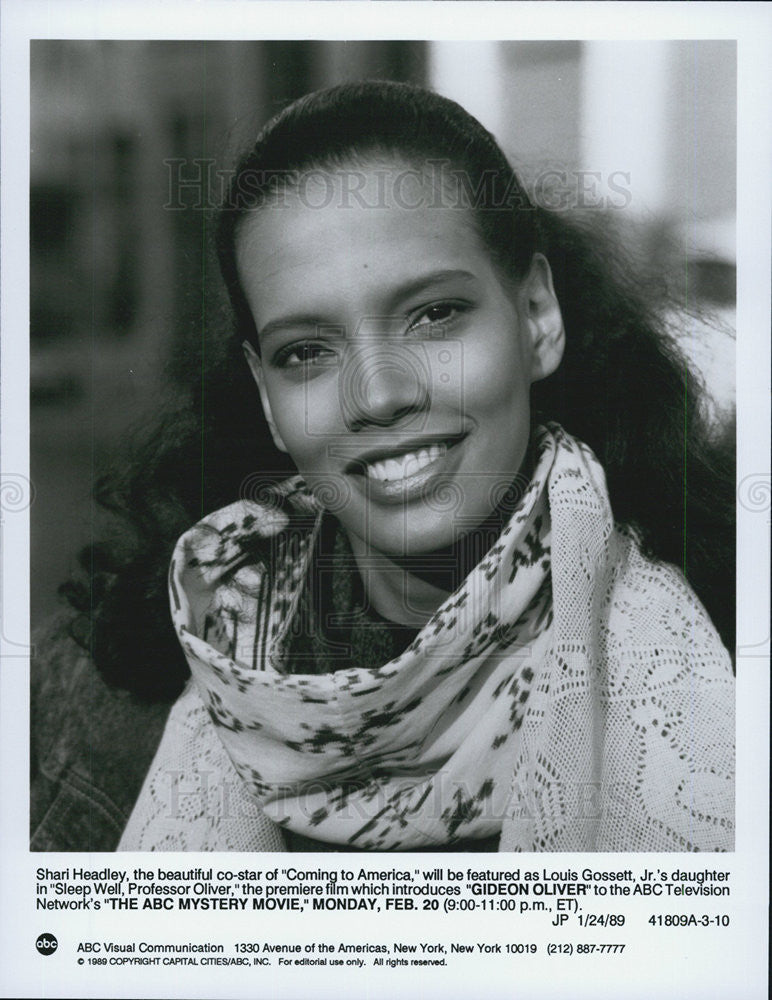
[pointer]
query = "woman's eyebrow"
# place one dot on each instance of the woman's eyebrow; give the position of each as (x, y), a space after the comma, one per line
(294, 322)
(396, 294)
(424, 281)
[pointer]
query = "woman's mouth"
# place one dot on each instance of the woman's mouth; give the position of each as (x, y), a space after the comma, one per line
(391, 470)
(400, 475)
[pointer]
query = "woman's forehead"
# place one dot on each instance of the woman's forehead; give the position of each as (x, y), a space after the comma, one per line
(341, 226)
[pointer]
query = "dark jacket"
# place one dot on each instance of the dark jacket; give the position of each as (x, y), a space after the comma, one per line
(91, 746)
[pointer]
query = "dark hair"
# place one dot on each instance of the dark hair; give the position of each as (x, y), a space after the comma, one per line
(623, 387)
(338, 128)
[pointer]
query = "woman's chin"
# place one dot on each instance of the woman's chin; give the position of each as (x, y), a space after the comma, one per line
(411, 533)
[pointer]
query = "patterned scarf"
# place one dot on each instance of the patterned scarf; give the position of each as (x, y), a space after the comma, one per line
(412, 753)
(571, 695)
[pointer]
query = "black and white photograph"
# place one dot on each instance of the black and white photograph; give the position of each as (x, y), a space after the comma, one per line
(386, 493)
(447, 498)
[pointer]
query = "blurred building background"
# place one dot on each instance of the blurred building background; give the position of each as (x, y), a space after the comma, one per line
(643, 130)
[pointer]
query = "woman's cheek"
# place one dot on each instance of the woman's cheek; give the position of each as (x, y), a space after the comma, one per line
(493, 382)
(305, 418)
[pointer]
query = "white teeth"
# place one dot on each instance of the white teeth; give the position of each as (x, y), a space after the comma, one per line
(404, 466)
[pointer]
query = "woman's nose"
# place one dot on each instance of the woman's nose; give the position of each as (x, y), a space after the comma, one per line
(383, 382)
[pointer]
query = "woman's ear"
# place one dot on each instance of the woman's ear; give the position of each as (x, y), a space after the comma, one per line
(256, 367)
(545, 321)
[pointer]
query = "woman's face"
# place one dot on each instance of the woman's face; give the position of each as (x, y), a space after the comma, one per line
(395, 362)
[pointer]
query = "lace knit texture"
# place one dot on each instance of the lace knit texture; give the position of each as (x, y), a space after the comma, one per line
(624, 741)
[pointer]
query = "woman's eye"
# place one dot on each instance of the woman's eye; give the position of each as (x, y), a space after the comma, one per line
(297, 355)
(436, 315)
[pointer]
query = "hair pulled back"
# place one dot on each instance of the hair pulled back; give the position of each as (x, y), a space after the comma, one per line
(623, 387)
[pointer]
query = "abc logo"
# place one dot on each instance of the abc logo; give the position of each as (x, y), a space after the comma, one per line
(46, 944)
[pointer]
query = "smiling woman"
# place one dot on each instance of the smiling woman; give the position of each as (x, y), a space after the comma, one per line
(409, 350)
(431, 604)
